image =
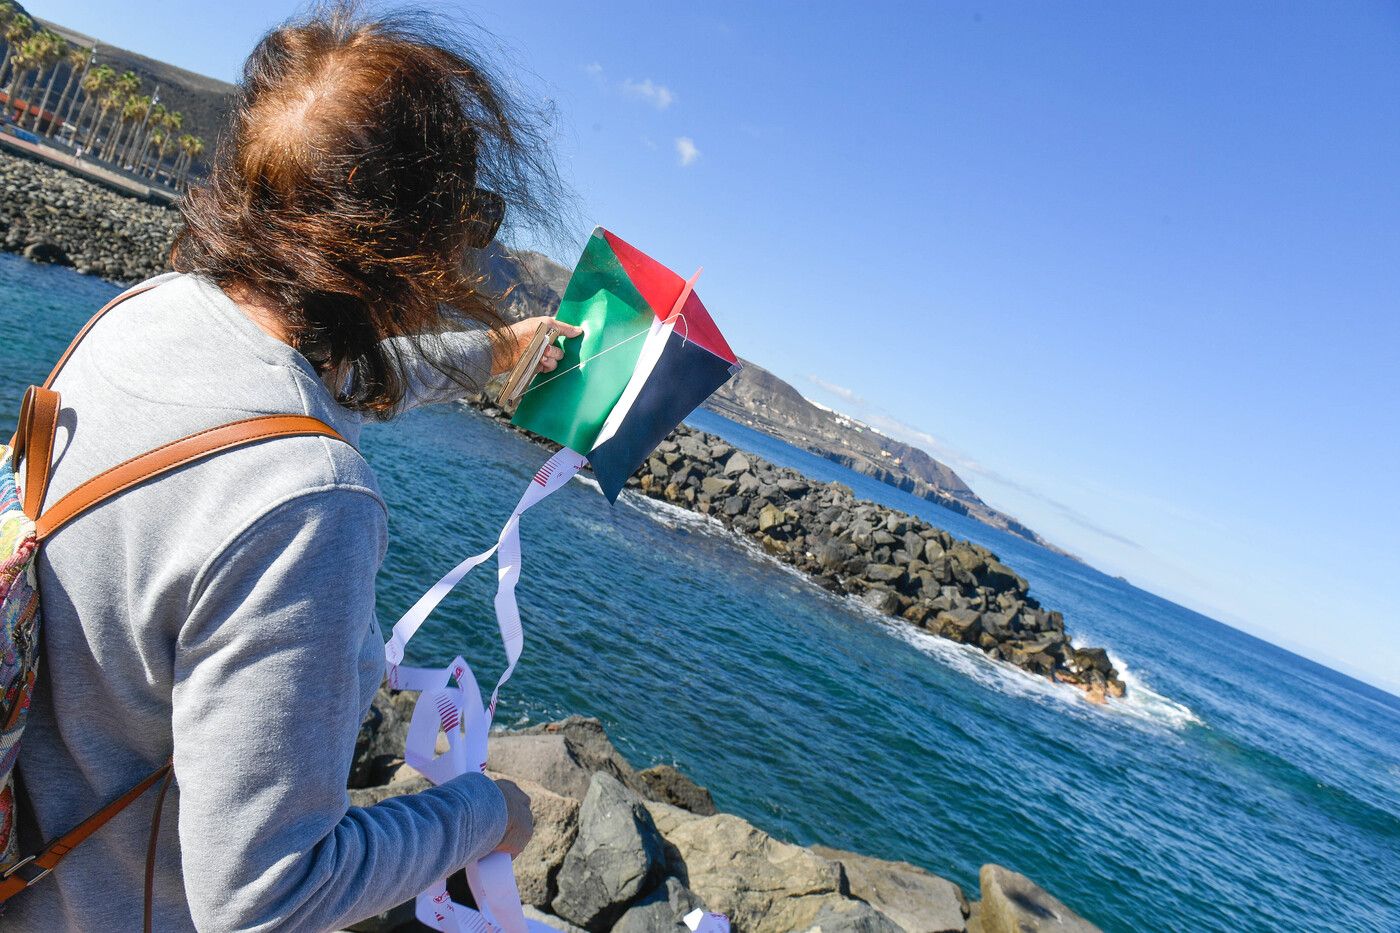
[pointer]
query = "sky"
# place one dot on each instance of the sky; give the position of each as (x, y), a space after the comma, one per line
(1133, 270)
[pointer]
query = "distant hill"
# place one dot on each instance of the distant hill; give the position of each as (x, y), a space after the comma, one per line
(203, 100)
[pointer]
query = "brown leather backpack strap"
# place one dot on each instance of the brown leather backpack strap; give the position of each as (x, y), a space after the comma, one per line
(26, 872)
(73, 344)
(151, 850)
(172, 456)
(33, 440)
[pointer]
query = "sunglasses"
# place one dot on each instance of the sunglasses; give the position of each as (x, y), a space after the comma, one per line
(487, 210)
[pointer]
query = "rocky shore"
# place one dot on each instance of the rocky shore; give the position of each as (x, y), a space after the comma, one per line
(50, 216)
(895, 563)
(633, 851)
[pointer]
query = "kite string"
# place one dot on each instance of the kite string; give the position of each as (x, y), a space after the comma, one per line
(677, 316)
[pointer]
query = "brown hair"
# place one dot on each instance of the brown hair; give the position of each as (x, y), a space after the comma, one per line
(344, 191)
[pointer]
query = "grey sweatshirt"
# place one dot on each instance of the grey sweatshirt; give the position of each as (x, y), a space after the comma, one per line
(225, 614)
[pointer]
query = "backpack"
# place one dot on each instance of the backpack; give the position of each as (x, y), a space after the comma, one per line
(25, 524)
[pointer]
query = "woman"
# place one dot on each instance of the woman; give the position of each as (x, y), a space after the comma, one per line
(224, 614)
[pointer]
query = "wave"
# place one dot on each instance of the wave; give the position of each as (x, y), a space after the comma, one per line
(1142, 703)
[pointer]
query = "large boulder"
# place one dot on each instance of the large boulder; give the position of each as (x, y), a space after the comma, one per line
(917, 900)
(762, 884)
(617, 856)
(666, 784)
(661, 911)
(546, 760)
(556, 828)
(1012, 903)
(591, 747)
(851, 917)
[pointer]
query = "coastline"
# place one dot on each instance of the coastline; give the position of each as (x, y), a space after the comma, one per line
(633, 851)
(896, 564)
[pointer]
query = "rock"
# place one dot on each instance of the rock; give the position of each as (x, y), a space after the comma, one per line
(666, 784)
(737, 463)
(852, 917)
(962, 625)
(1093, 659)
(717, 486)
(881, 599)
(587, 746)
(617, 856)
(44, 251)
(557, 923)
(546, 760)
(769, 517)
(763, 885)
(556, 828)
(917, 900)
(661, 911)
(1012, 903)
(884, 573)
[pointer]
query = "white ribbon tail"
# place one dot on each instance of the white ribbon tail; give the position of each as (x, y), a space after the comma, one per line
(457, 711)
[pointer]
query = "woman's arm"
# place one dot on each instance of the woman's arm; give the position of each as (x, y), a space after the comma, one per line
(271, 670)
(473, 352)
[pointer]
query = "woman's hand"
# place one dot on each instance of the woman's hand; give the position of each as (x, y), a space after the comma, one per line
(519, 336)
(520, 824)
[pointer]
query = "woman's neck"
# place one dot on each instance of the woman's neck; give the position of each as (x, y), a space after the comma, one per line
(271, 322)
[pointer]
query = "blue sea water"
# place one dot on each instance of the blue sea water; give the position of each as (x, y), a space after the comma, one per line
(1241, 787)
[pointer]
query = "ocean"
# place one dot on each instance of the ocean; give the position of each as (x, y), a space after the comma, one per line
(1241, 787)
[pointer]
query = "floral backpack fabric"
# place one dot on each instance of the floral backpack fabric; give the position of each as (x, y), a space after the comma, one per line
(25, 524)
(19, 643)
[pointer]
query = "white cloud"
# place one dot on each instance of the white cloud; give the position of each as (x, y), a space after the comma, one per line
(593, 70)
(685, 148)
(658, 95)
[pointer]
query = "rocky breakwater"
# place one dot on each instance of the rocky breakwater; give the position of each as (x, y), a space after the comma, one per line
(634, 851)
(51, 216)
(895, 563)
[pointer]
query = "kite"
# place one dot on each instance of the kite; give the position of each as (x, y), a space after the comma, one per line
(648, 356)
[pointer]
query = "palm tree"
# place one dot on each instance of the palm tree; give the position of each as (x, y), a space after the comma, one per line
(96, 85)
(170, 124)
(77, 59)
(191, 147)
(142, 142)
(18, 27)
(133, 118)
(25, 59)
(123, 89)
(55, 51)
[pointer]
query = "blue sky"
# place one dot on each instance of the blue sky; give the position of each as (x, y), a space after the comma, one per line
(1132, 269)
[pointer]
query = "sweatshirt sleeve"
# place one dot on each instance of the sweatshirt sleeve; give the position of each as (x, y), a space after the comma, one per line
(469, 351)
(271, 670)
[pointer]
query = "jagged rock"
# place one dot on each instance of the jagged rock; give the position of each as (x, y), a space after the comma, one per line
(556, 827)
(666, 784)
(917, 900)
(661, 911)
(737, 463)
(46, 252)
(852, 917)
(763, 885)
(546, 760)
(617, 856)
(1012, 903)
(562, 756)
(557, 923)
